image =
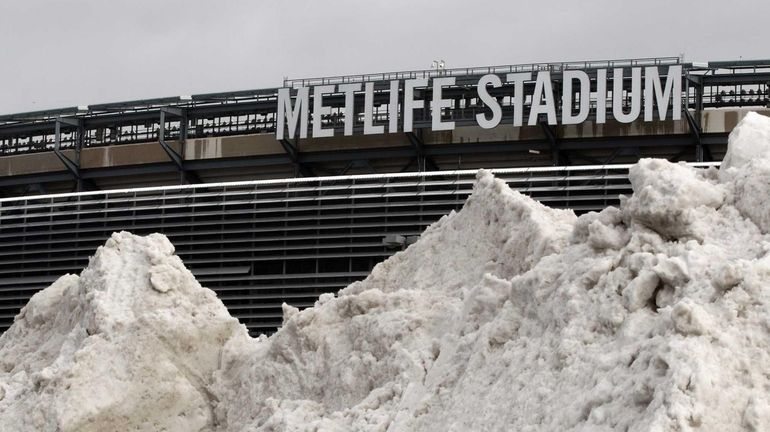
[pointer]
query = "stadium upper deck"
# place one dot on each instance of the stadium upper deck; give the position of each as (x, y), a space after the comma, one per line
(233, 136)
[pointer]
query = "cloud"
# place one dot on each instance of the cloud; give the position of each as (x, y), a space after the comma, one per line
(91, 51)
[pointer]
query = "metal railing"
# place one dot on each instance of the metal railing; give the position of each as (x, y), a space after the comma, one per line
(483, 70)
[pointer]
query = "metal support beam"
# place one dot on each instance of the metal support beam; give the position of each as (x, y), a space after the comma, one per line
(172, 154)
(35, 189)
(695, 80)
(185, 175)
(678, 157)
(293, 154)
(736, 78)
(622, 151)
(585, 158)
(696, 132)
(424, 162)
(290, 150)
(72, 165)
(364, 163)
(558, 158)
(358, 163)
(345, 169)
(409, 164)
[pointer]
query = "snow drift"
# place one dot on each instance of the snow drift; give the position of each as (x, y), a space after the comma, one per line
(130, 344)
(506, 315)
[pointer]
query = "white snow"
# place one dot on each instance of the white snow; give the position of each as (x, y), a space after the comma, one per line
(506, 315)
(104, 351)
(748, 142)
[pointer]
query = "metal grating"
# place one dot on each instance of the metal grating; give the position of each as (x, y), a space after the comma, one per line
(259, 244)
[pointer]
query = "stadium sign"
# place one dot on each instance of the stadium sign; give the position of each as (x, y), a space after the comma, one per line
(293, 110)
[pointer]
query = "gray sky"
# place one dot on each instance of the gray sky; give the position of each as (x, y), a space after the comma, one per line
(78, 52)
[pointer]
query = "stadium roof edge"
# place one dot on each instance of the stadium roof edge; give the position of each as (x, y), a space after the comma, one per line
(143, 104)
(474, 70)
(739, 64)
(50, 114)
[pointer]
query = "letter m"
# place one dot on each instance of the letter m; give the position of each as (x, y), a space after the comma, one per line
(288, 115)
(664, 95)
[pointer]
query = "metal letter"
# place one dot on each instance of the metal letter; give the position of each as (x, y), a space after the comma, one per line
(393, 107)
(319, 111)
(409, 103)
(518, 94)
(543, 89)
(439, 104)
(285, 112)
(349, 113)
(490, 101)
(617, 95)
(601, 96)
(652, 88)
(585, 93)
(369, 127)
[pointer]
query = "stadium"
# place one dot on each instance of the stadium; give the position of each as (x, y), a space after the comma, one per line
(280, 194)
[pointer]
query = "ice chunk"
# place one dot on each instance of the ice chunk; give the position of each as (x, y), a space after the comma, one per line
(669, 198)
(748, 141)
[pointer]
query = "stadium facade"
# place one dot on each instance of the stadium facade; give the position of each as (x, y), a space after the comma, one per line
(280, 194)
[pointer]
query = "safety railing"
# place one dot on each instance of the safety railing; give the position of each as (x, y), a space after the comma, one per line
(478, 71)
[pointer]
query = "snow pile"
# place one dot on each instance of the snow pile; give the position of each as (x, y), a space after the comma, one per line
(131, 344)
(507, 315)
(747, 167)
(361, 361)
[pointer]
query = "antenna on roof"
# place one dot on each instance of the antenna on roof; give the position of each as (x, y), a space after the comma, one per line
(439, 65)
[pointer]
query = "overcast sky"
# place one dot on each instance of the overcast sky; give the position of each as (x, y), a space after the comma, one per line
(79, 52)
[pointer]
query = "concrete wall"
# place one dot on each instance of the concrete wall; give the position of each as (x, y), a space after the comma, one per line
(713, 121)
(122, 155)
(232, 146)
(724, 120)
(33, 163)
(588, 129)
